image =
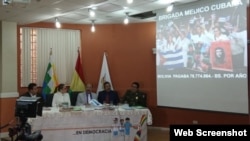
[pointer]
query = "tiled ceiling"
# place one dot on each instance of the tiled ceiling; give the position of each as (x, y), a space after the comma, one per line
(77, 11)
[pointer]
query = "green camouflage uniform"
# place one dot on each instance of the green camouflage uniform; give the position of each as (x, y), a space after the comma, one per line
(135, 98)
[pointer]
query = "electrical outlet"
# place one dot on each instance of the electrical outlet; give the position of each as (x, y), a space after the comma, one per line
(195, 121)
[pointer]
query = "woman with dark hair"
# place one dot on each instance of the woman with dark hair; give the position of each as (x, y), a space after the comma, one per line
(61, 96)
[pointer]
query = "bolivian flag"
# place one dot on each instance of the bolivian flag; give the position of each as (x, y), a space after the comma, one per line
(77, 83)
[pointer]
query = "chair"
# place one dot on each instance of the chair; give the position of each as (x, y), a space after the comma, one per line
(49, 99)
(73, 97)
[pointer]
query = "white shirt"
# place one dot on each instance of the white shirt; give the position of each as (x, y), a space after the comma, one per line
(59, 98)
(222, 37)
(31, 95)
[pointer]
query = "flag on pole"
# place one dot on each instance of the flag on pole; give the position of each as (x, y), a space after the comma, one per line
(50, 81)
(104, 75)
(77, 83)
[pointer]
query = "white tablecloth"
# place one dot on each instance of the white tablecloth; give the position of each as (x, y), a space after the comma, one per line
(92, 125)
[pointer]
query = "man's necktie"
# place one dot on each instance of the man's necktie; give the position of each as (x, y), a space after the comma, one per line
(87, 96)
(107, 98)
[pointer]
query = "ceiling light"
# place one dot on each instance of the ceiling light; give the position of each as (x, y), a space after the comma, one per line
(129, 1)
(93, 26)
(170, 8)
(57, 23)
(126, 20)
(91, 13)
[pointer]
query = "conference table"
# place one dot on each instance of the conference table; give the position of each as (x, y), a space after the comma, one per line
(93, 123)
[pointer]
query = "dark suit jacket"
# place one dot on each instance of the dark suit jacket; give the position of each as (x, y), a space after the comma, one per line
(41, 100)
(113, 96)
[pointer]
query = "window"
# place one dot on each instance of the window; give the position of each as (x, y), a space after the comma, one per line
(35, 46)
(33, 54)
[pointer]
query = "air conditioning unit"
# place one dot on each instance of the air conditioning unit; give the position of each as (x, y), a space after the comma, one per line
(7, 2)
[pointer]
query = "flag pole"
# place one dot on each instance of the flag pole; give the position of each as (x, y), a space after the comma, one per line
(50, 81)
(50, 53)
(77, 82)
(104, 74)
(105, 53)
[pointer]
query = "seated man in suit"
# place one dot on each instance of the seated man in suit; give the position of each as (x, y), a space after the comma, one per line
(85, 97)
(33, 92)
(108, 96)
(135, 97)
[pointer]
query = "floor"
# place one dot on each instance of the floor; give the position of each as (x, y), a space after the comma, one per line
(158, 134)
(154, 134)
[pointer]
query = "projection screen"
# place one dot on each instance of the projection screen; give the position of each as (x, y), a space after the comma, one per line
(201, 56)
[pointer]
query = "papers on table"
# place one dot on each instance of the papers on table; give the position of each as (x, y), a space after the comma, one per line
(94, 102)
(138, 107)
(127, 107)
